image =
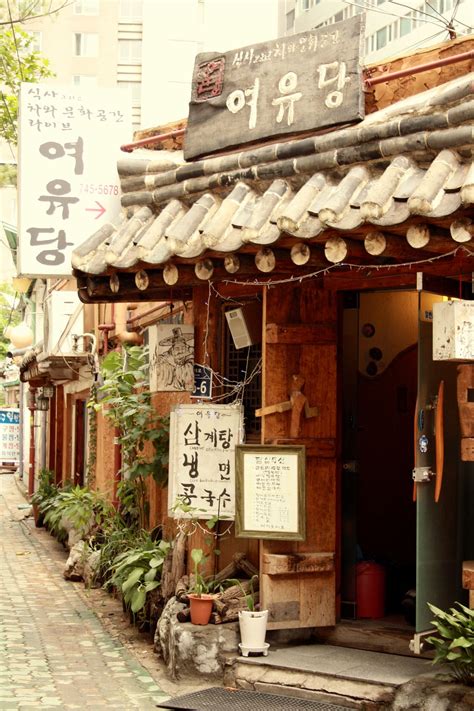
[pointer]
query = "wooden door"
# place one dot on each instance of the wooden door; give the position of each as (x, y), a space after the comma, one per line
(298, 580)
(79, 443)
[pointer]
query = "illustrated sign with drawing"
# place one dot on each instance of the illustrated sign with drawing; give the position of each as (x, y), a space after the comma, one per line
(292, 84)
(171, 358)
(68, 186)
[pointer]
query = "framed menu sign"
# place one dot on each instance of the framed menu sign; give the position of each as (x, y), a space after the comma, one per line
(270, 492)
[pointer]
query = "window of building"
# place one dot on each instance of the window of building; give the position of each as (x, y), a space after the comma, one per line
(132, 9)
(86, 7)
(130, 51)
(381, 38)
(405, 25)
(290, 20)
(86, 44)
(84, 80)
(305, 5)
(136, 90)
(339, 16)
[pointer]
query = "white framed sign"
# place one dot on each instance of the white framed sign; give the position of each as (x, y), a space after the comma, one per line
(270, 492)
(69, 142)
(202, 458)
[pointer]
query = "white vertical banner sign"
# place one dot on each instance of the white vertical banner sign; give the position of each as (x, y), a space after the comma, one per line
(9, 435)
(202, 458)
(69, 142)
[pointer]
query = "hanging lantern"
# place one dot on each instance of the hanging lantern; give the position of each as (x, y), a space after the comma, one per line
(42, 403)
(47, 391)
(21, 336)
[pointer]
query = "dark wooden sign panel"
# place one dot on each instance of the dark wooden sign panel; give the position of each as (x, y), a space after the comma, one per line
(292, 84)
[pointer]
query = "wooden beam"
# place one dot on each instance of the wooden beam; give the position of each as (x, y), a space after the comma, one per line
(381, 244)
(317, 447)
(300, 334)
(297, 563)
(426, 237)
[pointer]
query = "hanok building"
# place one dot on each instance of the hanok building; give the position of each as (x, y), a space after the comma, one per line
(341, 242)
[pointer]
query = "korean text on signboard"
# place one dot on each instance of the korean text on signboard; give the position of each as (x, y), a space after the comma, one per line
(68, 148)
(293, 84)
(9, 435)
(202, 458)
(270, 492)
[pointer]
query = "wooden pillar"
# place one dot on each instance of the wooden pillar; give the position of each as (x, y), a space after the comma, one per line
(307, 346)
(52, 432)
(59, 453)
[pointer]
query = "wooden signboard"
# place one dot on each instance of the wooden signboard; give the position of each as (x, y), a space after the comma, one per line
(289, 85)
(202, 460)
(270, 492)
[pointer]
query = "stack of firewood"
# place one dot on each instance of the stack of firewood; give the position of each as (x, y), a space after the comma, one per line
(231, 600)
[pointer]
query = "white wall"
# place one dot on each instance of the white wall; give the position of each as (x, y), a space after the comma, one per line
(174, 31)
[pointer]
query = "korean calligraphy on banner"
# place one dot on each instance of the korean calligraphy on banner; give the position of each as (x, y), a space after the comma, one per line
(68, 183)
(293, 84)
(9, 435)
(202, 458)
(270, 492)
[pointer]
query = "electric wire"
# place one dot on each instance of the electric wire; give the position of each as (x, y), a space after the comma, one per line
(384, 12)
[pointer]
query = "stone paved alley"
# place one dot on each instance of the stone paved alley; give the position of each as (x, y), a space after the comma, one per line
(54, 650)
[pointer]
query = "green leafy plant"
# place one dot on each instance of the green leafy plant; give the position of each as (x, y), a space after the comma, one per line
(46, 487)
(454, 643)
(249, 595)
(137, 572)
(15, 46)
(84, 509)
(45, 493)
(200, 584)
(143, 435)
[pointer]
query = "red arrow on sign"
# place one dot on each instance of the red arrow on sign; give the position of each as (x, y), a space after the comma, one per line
(100, 209)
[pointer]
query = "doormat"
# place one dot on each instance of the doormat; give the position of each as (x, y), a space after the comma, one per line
(218, 698)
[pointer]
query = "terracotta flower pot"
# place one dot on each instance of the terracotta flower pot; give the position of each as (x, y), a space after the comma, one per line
(200, 607)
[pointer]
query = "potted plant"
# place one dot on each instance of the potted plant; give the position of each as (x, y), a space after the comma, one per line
(200, 601)
(252, 622)
(47, 489)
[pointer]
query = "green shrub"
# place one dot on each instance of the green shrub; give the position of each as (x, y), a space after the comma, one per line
(85, 510)
(137, 572)
(454, 643)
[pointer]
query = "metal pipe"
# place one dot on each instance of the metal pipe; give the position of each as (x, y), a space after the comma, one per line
(148, 312)
(117, 466)
(388, 76)
(159, 138)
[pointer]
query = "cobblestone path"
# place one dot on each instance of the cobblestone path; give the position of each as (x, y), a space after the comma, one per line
(54, 651)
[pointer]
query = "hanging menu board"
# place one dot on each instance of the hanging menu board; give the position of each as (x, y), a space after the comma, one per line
(9, 435)
(202, 459)
(270, 492)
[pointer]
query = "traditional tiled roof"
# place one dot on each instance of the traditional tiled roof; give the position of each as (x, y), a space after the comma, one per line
(411, 160)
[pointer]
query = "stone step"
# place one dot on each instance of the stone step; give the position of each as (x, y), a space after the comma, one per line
(349, 677)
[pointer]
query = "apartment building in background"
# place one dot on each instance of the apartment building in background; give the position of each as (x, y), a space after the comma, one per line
(147, 46)
(391, 27)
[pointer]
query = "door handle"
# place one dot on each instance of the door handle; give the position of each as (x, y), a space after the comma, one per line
(424, 474)
(439, 435)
